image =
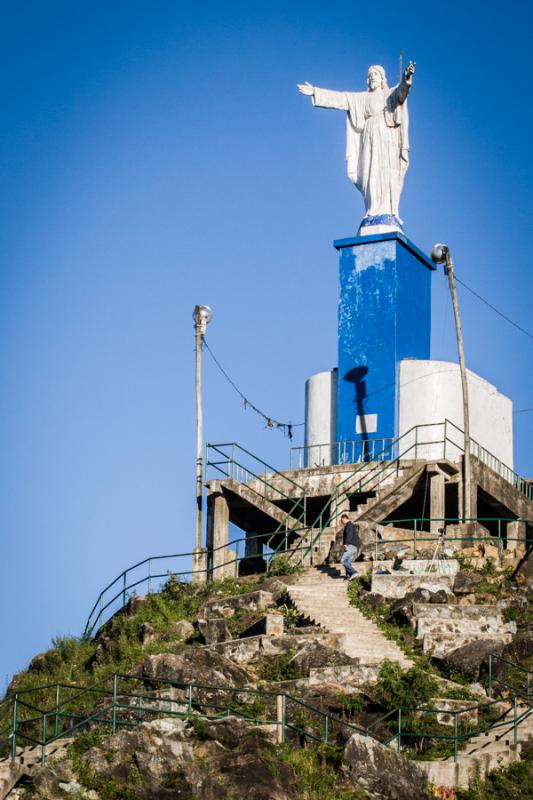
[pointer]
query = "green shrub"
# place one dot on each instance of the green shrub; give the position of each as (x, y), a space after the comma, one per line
(407, 688)
(282, 565)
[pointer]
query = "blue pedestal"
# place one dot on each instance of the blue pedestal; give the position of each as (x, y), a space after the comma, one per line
(384, 316)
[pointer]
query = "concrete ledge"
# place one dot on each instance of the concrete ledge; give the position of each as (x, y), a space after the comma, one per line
(397, 585)
(350, 677)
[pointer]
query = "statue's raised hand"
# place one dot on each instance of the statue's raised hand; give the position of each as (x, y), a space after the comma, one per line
(306, 88)
(409, 72)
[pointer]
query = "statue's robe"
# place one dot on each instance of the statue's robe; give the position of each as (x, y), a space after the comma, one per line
(361, 165)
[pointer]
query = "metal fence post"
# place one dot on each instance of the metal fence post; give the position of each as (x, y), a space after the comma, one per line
(414, 540)
(114, 709)
(189, 698)
(455, 733)
(399, 729)
(326, 728)
(515, 726)
(14, 735)
(527, 688)
(489, 687)
(43, 738)
(56, 722)
(280, 719)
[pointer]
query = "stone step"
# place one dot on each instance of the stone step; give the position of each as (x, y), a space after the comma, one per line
(452, 611)
(321, 596)
(481, 628)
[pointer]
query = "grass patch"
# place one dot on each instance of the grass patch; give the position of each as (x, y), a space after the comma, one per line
(317, 771)
(277, 668)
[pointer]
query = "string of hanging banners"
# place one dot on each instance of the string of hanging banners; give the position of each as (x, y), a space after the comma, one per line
(270, 422)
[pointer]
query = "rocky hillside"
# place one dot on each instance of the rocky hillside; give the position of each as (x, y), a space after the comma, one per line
(230, 691)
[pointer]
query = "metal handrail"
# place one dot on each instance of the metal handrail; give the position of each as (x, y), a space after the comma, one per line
(415, 533)
(290, 523)
(119, 695)
(365, 449)
(345, 490)
(235, 445)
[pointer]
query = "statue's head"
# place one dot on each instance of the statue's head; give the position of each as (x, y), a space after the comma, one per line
(377, 78)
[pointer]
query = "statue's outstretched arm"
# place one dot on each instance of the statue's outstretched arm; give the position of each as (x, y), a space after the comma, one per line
(324, 98)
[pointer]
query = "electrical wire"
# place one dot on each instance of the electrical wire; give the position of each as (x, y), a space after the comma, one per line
(270, 421)
(500, 313)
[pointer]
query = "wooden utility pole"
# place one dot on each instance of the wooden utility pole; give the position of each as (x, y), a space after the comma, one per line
(441, 255)
(201, 315)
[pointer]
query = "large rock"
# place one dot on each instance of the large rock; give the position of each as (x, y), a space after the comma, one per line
(472, 659)
(182, 629)
(316, 655)
(381, 771)
(524, 570)
(466, 582)
(214, 630)
(194, 665)
(521, 647)
(403, 611)
(226, 606)
(215, 760)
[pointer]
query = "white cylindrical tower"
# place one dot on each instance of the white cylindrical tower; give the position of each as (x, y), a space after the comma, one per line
(320, 418)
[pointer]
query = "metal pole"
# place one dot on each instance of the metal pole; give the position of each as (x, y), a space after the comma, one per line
(455, 732)
(448, 269)
(56, 723)
(201, 316)
(399, 729)
(43, 738)
(114, 709)
(14, 739)
(280, 719)
(440, 254)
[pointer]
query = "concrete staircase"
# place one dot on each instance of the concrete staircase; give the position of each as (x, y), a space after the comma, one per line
(262, 504)
(389, 495)
(25, 761)
(321, 595)
(492, 750)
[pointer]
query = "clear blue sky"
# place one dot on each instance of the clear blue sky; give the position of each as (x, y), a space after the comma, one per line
(157, 154)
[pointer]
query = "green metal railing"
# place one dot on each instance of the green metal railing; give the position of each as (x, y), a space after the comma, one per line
(346, 452)
(365, 477)
(117, 593)
(154, 572)
(118, 702)
(522, 675)
(126, 701)
(226, 459)
(414, 532)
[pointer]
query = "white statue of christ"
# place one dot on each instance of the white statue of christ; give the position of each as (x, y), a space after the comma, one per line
(377, 143)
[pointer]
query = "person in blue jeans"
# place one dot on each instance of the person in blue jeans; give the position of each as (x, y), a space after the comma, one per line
(352, 544)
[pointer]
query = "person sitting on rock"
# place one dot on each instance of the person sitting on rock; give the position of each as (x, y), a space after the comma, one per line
(352, 544)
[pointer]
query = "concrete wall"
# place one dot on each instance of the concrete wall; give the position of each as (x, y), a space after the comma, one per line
(430, 392)
(320, 418)
(384, 316)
